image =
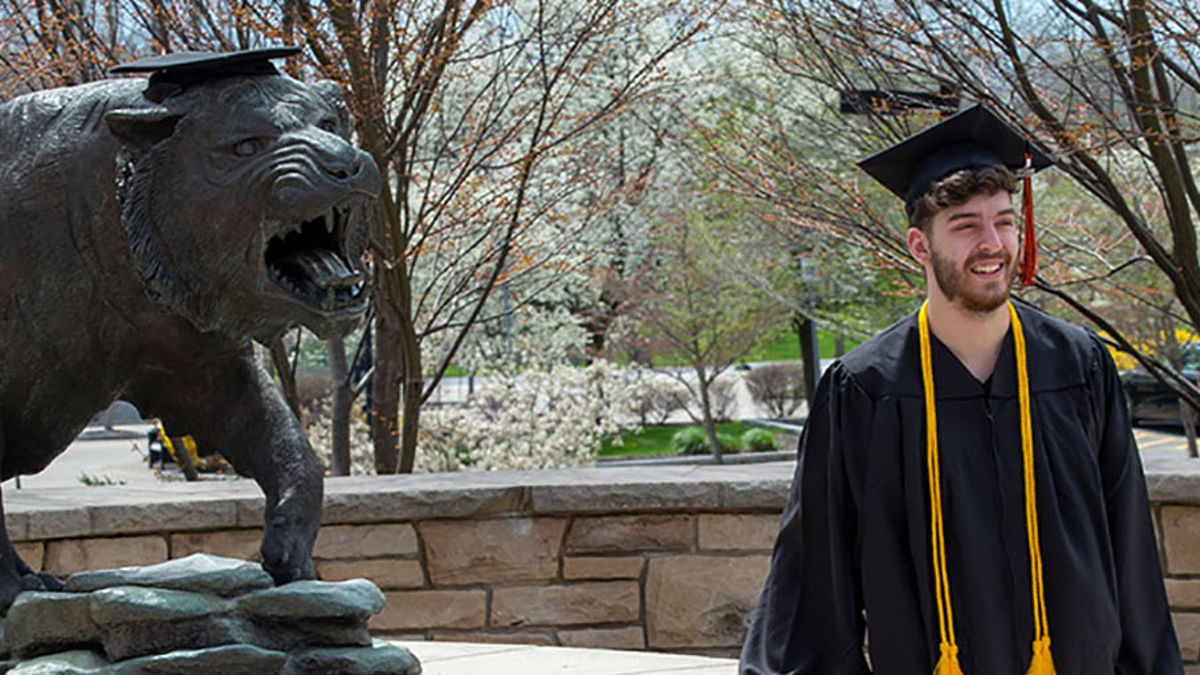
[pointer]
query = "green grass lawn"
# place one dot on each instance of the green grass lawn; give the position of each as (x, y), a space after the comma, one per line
(656, 440)
(786, 347)
(783, 347)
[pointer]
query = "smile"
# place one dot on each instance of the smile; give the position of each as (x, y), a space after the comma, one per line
(990, 268)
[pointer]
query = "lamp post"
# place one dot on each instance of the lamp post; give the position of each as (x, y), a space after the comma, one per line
(896, 101)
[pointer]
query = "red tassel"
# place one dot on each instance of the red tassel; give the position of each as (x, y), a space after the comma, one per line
(1029, 250)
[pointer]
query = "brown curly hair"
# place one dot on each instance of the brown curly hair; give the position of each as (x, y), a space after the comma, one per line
(958, 188)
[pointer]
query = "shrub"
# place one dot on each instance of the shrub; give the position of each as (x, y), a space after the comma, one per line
(778, 388)
(319, 429)
(658, 396)
(694, 441)
(536, 419)
(729, 442)
(722, 397)
(758, 439)
(313, 385)
(690, 441)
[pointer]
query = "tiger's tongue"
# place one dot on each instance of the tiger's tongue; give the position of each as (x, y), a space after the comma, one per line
(321, 266)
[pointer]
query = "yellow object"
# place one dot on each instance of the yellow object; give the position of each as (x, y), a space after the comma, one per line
(189, 445)
(948, 663)
(1164, 342)
(1041, 662)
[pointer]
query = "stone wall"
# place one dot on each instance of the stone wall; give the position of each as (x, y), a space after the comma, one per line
(1174, 485)
(662, 558)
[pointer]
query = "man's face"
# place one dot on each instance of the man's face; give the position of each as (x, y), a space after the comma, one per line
(970, 251)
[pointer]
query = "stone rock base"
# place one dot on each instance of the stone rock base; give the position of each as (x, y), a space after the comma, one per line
(200, 614)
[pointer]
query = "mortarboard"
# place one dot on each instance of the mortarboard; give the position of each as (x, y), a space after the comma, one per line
(172, 73)
(972, 139)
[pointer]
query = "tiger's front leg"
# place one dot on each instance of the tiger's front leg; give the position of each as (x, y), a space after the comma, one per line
(235, 408)
(15, 575)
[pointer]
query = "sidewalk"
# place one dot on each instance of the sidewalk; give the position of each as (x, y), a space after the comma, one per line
(99, 458)
(458, 658)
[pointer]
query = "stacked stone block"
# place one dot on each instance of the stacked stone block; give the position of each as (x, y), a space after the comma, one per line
(199, 614)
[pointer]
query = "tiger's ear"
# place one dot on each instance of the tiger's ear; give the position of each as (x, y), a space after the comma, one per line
(333, 94)
(141, 128)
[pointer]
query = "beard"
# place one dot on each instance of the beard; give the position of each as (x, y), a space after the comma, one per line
(951, 279)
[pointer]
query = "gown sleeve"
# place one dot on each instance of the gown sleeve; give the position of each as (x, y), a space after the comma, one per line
(809, 618)
(1148, 643)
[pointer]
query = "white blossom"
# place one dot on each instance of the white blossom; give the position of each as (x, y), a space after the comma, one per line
(547, 418)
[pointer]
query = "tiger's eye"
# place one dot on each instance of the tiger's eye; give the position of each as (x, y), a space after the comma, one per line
(248, 147)
(328, 124)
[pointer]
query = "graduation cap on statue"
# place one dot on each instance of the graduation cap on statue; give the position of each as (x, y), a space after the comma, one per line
(172, 73)
(972, 139)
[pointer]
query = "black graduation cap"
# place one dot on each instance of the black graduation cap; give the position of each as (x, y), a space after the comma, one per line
(171, 73)
(972, 139)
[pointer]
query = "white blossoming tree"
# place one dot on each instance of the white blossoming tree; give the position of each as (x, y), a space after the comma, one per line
(538, 419)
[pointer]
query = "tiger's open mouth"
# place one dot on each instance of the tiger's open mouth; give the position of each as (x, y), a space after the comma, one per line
(309, 262)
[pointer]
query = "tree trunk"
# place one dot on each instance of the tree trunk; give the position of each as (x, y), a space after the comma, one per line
(386, 391)
(398, 381)
(806, 330)
(412, 389)
(710, 428)
(410, 421)
(287, 374)
(1187, 416)
(340, 414)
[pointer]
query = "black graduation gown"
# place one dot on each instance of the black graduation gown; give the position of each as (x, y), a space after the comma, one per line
(853, 549)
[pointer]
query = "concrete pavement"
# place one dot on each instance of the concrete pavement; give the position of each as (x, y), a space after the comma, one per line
(1161, 438)
(457, 658)
(102, 461)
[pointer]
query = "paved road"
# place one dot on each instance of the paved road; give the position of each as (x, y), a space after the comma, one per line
(1161, 438)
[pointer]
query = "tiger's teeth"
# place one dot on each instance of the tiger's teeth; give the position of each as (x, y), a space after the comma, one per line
(330, 220)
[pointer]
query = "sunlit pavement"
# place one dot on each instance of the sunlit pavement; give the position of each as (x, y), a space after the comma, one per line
(1163, 438)
(99, 462)
(448, 658)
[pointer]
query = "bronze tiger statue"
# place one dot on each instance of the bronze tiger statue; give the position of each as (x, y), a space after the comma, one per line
(149, 230)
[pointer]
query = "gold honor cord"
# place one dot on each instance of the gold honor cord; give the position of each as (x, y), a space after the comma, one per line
(1041, 663)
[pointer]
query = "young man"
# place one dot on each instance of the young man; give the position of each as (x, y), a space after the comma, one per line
(968, 491)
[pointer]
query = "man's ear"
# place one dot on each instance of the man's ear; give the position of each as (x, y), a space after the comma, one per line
(140, 128)
(918, 246)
